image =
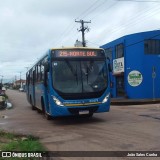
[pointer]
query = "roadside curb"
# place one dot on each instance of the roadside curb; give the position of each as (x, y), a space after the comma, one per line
(134, 101)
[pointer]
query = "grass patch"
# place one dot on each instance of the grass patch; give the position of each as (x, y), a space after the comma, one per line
(12, 142)
(6, 135)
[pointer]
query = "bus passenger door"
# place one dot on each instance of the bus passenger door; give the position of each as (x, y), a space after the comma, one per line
(46, 89)
(27, 85)
(33, 91)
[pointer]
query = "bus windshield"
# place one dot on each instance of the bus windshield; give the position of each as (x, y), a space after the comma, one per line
(80, 77)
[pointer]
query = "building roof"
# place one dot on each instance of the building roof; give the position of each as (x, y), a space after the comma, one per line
(20, 81)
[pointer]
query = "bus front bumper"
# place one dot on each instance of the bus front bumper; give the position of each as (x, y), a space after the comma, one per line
(78, 110)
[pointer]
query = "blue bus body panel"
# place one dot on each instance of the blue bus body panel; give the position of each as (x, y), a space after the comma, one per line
(31, 94)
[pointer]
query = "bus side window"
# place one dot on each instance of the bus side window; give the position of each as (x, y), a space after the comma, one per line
(28, 79)
(39, 72)
(36, 74)
(46, 70)
(33, 77)
(42, 72)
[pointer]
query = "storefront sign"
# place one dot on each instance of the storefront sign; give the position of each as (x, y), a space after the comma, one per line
(118, 65)
(135, 78)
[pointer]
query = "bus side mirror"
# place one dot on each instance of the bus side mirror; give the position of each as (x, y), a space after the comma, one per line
(46, 67)
(109, 64)
(45, 78)
(109, 67)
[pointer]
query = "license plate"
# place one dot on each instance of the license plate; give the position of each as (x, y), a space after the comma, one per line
(84, 112)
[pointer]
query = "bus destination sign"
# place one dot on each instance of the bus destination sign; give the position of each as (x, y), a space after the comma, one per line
(77, 53)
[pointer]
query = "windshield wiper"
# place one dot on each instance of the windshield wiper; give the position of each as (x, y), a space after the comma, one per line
(76, 75)
(72, 70)
(87, 74)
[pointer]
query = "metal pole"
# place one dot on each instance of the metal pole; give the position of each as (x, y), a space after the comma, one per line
(153, 90)
(153, 81)
(83, 39)
(1, 79)
(82, 29)
(20, 79)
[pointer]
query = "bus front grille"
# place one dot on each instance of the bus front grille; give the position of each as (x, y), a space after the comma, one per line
(76, 111)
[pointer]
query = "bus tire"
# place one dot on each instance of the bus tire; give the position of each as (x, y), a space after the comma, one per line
(90, 115)
(47, 116)
(33, 107)
(42, 105)
(38, 110)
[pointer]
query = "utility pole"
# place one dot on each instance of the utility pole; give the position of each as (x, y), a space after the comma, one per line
(20, 79)
(83, 29)
(1, 78)
(15, 78)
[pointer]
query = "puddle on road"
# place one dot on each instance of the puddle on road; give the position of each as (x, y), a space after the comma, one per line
(3, 123)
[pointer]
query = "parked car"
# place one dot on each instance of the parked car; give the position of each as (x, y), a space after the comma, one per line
(21, 89)
(3, 89)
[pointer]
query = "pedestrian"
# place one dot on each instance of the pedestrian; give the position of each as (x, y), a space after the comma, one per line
(0, 88)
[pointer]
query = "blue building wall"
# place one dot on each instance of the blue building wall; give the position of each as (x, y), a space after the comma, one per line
(135, 59)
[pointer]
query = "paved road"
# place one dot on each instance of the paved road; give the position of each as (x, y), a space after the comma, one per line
(124, 128)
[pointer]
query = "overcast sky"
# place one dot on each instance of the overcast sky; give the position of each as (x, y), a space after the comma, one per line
(28, 28)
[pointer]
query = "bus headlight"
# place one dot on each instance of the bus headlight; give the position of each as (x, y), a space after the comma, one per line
(57, 101)
(106, 98)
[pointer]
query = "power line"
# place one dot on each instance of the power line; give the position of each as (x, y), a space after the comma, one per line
(87, 10)
(138, 1)
(137, 18)
(105, 9)
(93, 43)
(93, 9)
(68, 29)
(133, 21)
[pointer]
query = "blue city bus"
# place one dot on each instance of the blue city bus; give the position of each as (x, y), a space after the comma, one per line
(69, 81)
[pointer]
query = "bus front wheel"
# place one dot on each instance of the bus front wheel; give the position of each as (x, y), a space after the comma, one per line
(33, 107)
(48, 117)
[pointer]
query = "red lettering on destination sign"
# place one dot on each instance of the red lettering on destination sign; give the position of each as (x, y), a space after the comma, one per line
(91, 53)
(77, 54)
